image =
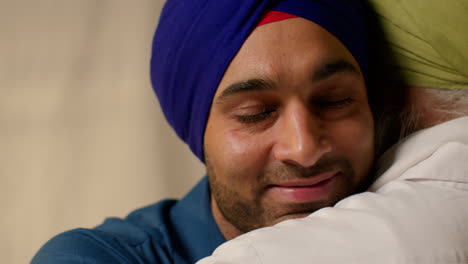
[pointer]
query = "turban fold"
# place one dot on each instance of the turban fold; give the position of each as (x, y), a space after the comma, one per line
(429, 40)
(196, 40)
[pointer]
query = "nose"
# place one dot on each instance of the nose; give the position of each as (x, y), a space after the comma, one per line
(301, 138)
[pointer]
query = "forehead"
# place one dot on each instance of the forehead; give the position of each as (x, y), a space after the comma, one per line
(288, 50)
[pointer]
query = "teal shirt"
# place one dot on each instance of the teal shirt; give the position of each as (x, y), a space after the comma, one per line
(169, 231)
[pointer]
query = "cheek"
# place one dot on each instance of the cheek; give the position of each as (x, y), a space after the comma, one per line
(355, 138)
(240, 157)
(246, 151)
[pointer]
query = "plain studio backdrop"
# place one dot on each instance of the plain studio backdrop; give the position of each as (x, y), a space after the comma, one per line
(82, 136)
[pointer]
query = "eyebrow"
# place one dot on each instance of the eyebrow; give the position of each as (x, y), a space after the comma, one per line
(329, 69)
(325, 71)
(247, 86)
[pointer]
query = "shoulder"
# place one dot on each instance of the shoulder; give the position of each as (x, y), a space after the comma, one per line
(411, 223)
(142, 237)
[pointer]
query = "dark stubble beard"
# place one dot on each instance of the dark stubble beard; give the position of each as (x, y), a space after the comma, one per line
(246, 215)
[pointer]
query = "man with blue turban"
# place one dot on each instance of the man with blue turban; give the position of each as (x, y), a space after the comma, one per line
(272, 96)
(417, 209)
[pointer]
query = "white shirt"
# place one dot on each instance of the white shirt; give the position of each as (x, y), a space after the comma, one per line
(415, 212)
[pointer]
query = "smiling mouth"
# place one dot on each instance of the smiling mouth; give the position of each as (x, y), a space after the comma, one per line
(304, 190)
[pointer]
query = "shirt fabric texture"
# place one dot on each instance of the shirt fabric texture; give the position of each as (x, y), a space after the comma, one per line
(415, 212)
(169, 231)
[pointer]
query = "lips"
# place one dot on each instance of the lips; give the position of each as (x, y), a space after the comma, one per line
(304, 190)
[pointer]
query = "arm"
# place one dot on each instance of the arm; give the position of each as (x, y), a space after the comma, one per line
(405, 222)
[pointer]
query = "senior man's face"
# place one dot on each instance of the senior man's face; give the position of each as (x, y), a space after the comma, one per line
(290, 129)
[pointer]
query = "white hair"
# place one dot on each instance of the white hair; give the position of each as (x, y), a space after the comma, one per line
(396, 117)
(450, 101)
(440, 105)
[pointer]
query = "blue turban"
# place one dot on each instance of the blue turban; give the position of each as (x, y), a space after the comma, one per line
(196, 40)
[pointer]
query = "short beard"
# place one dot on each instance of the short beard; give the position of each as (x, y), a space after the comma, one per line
(247, 215)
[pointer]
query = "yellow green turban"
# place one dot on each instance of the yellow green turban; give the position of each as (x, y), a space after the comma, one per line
(428, 39)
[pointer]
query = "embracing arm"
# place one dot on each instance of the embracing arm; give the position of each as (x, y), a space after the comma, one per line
(405, 222)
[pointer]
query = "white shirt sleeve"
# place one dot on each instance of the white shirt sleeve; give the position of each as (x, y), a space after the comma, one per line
(405, 222)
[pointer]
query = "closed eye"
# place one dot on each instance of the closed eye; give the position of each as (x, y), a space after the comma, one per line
(334, 104)
(257, 117)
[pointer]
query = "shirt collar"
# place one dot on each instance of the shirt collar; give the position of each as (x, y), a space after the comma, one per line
(417, 147)
(195, 232)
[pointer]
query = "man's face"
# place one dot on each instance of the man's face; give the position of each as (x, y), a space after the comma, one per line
(290, 129)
